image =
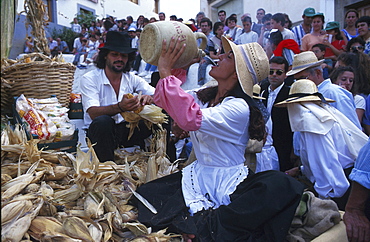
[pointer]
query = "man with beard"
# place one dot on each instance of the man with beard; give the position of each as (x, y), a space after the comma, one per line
(104, 96)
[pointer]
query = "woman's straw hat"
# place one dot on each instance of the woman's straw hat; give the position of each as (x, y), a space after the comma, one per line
(257, 92)
(303, 91)
(252, 64)
(303, 61)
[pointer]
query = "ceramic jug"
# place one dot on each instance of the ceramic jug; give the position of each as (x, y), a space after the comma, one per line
(153, 35)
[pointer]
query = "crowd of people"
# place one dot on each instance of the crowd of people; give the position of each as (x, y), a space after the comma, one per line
(312, 116)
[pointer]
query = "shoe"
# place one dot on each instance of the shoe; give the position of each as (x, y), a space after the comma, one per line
(83, 64)
(144, 73)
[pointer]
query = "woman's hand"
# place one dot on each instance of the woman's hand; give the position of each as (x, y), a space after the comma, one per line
(146, 99)
(169, 56)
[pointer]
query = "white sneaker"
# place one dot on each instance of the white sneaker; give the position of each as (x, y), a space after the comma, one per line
(144, 73)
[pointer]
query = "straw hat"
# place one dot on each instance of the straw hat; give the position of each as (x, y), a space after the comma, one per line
(252, 64)
(257, 92)
(303, 61)
(303, 90)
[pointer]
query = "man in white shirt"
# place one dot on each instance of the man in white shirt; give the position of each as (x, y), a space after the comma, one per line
(104, 97)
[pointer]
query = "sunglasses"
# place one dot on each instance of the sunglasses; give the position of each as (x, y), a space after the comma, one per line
(354, 48)
(278, 72)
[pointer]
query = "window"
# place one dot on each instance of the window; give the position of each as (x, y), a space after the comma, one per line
(49, 6)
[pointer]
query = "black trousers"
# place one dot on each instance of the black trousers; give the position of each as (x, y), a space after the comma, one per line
(108, 136)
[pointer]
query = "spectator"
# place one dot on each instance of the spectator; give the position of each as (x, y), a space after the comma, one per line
(286, 48)
(77, 43)
(85, 32)
(327, 65)
(305, 27)
(173, 18)
(28, 45)
(75, 26)
(206, 28)
(265, 31)
(334, 41)
(140, 22)
(62, 46)
(222, 18)
(326, 153)
(145, 22)
(134, 39)
(248, 36)
(152, 20)
(53, 46)
(198, 18)
(288, 22)
(356, 44)
(215, 43)
(233, 32)
(350, 19)
(363, 28)
(260, 14)
(316, 36)
(92, 27)
(93, 45)
(162, 16)
(307, 66)
(130, 23)
(82, 50)
(278, 22)
(344, 76)
(277, 91)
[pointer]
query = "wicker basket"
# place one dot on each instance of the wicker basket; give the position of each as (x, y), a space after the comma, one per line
(37, 76)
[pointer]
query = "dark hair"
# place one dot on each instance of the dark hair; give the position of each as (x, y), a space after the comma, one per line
(173, 16)
(221, 11)
(129, 18)
(107, 24)
(280, 60)
(262, 10)
(247, 19)
(360, 62)
(162, 13)
(256, 127)
(350, 11)
(275, 37)
(320, 16)
(289, 21)
(267, 17)
(206, 20)
(101, 60)
(279, 17)
(339, 70)
(322, 47)
(355, 40)
(231, 18)
(365, 19)
(216, 26)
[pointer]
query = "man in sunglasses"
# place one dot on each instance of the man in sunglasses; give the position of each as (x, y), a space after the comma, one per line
(276, 92)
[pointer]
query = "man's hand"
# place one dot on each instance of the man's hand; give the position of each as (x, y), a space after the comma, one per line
(129, 104)
(178, 132)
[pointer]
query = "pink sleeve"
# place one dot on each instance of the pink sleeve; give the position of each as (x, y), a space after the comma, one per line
(177, 103)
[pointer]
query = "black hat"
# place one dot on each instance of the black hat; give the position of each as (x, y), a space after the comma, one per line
(118, 41)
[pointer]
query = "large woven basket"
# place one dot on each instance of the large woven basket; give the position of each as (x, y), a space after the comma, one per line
(37, 76)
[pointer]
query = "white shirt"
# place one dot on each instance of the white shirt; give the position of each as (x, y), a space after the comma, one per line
(329, 143)
(96, 90)
(246, 38)
(77, 43)
(360, 102)
(288, 34)
(272, 97)
(219, 146)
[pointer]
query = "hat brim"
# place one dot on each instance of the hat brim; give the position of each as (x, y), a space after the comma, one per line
(123, 50)
(301, 99)
(298, 69)
(245, 78)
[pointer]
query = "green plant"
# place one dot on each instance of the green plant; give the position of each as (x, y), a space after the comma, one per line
(66, 34)
(85, 18)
